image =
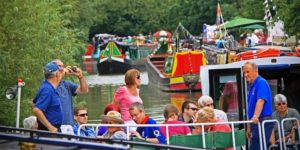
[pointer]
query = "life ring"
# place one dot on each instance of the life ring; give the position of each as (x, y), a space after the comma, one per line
(270, 52)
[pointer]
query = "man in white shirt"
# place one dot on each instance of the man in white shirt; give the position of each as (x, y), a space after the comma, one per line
(207, 101)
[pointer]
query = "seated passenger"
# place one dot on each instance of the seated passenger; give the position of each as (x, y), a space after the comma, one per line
(108, 107)
(188, 112)
(206, 100)
(171, 117)
(206, 115)
(81, 117)
(150, 134)
(282, 112)
(113, 117)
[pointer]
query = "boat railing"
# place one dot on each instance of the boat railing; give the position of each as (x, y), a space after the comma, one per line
(54, 139)
(127, 126)
(72, 141)
(264, 134)
(283, 129)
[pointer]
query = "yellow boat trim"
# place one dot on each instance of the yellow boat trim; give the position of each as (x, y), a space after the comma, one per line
(176, 80)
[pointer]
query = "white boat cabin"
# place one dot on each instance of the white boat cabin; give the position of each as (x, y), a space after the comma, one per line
(227, 86)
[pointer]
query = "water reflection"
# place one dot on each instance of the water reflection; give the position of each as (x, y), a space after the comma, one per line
(154, 99)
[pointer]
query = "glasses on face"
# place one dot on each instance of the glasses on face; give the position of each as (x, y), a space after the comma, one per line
(279, 104)
(209, 105)
(192, 108)
(138, 77)
(83, 115)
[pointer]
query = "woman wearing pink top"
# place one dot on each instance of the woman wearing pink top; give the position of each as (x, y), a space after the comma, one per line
(129, 94)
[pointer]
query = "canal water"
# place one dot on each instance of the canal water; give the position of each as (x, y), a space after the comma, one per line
(102, 89)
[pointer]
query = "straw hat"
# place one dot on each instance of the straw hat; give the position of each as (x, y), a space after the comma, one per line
(112, 116)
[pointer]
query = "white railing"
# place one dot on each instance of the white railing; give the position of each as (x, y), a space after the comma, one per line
(264, 134)
(282, 128)
(261, 128)
(232, 123)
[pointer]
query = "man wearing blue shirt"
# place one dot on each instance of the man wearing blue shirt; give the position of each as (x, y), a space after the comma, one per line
(47, 106)
(149, 134)
(66, 90)
(81, 117)
(259, 104)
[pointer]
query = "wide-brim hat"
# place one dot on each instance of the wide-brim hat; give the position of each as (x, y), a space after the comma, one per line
(112, 116)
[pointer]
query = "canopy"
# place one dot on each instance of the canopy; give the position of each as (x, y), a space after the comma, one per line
(162, 33)
(254, 26)
(241, 22)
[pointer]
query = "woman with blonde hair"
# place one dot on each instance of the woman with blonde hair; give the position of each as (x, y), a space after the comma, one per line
(207, 115)
(128, 94)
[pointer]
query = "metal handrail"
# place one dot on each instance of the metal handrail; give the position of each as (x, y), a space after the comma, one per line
(59, 139)
(167, 127)
(282, 128)
(264, 134)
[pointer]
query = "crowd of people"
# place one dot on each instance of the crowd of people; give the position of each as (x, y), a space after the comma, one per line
(53, 109)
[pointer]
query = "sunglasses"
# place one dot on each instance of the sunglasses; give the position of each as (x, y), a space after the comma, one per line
(279, 104)
(138, 77)
(82, 115)
(194, 109)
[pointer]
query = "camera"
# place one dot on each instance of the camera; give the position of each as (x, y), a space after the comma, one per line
(74, 69)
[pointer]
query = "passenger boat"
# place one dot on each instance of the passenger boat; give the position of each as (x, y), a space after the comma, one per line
(225, 83)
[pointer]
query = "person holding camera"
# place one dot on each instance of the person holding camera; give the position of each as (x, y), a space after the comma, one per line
(66, 90)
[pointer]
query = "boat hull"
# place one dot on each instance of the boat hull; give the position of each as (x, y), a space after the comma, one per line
(112, 65)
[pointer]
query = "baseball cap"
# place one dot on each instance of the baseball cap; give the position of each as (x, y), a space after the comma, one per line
(51, 67)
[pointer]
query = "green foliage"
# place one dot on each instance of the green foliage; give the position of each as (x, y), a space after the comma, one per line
(33, 33)
(288, 12)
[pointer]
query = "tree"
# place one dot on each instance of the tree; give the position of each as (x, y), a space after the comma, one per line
(33, 33)
(288, 11)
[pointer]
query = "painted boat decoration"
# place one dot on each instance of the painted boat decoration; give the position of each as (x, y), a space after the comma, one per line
(112, 58)
(178, 72)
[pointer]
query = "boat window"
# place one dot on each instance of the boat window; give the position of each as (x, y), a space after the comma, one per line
(225, 89)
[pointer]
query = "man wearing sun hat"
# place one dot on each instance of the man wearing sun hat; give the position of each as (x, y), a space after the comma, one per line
(113, 117)
(47, 107)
